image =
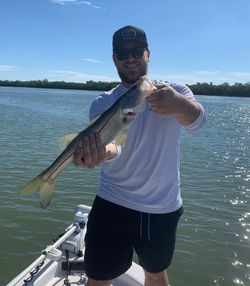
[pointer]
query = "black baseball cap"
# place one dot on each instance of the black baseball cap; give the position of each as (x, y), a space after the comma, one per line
(129, 34)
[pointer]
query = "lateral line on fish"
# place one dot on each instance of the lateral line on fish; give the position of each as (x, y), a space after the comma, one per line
(104, 125)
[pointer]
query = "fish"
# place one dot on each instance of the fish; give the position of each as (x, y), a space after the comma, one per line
(111, 125)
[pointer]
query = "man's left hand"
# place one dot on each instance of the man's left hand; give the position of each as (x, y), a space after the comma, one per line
(166, 101)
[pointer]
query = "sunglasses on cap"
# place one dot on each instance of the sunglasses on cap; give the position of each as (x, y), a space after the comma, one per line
(123, 54)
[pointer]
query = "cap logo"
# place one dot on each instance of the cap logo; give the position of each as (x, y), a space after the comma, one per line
(129, 34)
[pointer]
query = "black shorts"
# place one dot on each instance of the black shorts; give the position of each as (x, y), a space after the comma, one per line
(114, 232)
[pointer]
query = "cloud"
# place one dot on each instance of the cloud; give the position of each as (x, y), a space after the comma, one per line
(214, 76)
(242, 76)
(91, 60)
(7, 68)
(206, 73)
(72, 76)
(76, 2)
(98, 7)
(82, 2)
(65, 2)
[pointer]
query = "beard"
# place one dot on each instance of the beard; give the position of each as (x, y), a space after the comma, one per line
(130, 77)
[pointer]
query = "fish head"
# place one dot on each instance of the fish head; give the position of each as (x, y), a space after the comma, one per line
(134, 100)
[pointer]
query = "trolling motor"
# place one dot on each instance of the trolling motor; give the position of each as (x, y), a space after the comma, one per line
(75, 244)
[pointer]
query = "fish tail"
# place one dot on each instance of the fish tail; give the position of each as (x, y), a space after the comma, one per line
(33, 186)
(46, 193)
(41, 185)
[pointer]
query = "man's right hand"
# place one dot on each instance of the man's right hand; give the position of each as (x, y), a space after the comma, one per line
(92, 152)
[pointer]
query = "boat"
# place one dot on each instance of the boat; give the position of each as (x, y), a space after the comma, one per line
(62, 264)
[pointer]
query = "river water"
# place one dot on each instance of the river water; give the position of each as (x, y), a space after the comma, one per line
(213, 242)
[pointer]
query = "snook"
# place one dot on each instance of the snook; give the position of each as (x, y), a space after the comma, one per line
(111, 126)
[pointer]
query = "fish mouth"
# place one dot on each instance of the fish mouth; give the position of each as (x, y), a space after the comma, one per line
(130, 113)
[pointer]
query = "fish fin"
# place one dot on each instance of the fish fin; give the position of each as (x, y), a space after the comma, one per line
(120, 138)
(65, 140)
(44, 187)
(33, 186)
(46, 193)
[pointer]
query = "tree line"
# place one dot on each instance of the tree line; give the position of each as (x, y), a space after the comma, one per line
(89, 85)
(224, 89)
(237, 89)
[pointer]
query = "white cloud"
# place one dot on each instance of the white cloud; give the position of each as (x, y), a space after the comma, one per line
(98, 7)
(207, 73)
(64, 2)
(91, 60)
(216, 77)
(72, 76)
(61, 2)
(83, 2)
(7, 68)
(76, 2)
(242, 76)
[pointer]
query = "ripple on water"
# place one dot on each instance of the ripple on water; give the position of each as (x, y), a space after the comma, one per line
(212, 245)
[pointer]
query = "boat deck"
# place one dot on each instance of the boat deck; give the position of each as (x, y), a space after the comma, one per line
(60, 264)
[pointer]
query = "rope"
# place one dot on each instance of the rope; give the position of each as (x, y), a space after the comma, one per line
(33, 273)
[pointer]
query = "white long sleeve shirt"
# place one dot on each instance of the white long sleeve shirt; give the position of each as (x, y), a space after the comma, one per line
(144, 176)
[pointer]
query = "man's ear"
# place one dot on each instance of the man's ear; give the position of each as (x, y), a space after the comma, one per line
(148, 54)
(114, 60)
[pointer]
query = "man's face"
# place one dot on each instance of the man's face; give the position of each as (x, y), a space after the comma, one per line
(131, 61)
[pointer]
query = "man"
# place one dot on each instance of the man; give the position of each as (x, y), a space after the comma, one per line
(138, 203)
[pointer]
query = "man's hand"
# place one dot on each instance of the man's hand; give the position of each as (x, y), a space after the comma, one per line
(93, 152)
(165, 101)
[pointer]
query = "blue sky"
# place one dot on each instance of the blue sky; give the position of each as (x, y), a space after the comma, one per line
(190, 40)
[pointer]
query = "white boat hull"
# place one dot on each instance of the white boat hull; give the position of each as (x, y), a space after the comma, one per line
(51, 268)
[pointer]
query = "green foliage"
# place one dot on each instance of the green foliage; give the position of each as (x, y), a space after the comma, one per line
(89, 85)
(238, 89)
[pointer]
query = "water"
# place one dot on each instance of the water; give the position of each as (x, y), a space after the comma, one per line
(213, 243)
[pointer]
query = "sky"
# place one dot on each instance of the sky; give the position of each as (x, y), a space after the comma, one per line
(71, 40)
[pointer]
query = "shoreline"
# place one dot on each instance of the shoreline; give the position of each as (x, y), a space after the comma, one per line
(236, 90)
